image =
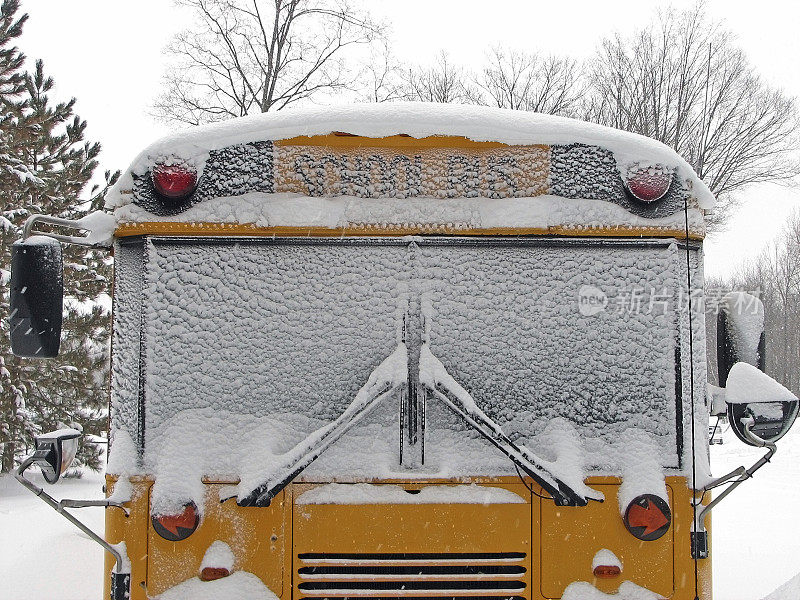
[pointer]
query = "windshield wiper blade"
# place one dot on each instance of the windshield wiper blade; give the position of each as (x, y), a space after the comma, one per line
(384, 380)
(435, 377)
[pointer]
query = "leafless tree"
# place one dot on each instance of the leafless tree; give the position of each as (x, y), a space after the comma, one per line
(383, 77)
(683, 82)
(775, 276)
(249, 56)
(527, 81)
(441, 82)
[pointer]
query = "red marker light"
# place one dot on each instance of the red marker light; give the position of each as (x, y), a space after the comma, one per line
(648, 517)
(212, 573)
(177, 527)
(648, 184)
(606, 571)
(174, 182)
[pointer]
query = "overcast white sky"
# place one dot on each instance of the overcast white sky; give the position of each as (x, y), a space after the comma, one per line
(110, 56)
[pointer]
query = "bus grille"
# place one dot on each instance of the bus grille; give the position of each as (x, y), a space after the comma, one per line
(423, 576)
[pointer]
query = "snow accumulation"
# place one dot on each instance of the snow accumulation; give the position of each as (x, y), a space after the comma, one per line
(100, 227)
(246, 176)
(41, 240)
(365, 493)
(67, 431)
(745, 314)
(417, 120)
(641, 470)
(123, 490)
(788, 591)
(219, 555)
(432, 372)
(606, 557)
(240, 585)
(124, 457)
(540, 212)
(582, 590)
(124, 565)
(747, 384)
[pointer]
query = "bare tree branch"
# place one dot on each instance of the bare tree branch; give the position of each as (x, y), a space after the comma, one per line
(681, 81)
(246, 56)
(523, 81)
(442, 82)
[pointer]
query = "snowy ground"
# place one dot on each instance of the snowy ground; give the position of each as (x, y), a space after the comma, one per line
(756, 540)
(756, 546)
(42, 555)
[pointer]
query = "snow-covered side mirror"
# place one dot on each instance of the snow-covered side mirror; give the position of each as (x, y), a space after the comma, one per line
(36, 297)
(55, 452)
(740, 333)
(759, 408)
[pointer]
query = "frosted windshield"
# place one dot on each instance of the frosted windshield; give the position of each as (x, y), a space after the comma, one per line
(278, 337)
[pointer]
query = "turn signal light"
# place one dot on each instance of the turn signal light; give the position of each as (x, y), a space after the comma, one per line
(212, 573)
(174, 182)
(177, 527)
(606, 571)
(648, 184)
(647, 517)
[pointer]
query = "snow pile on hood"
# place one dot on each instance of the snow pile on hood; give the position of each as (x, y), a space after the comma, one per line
(366, 493)
(237, 586)
(417, 120)
(581, 590)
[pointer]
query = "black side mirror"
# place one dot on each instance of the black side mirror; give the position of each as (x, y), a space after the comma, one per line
(758, 405)
(740, 333)
(36, 297)
(55, 452)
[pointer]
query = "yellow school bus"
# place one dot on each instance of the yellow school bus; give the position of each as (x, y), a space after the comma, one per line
(407, 350)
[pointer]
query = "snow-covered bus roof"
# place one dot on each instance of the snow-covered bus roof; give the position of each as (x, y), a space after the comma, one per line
(477, 168)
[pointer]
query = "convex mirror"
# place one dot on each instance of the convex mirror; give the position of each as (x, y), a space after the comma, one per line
(36, 297)
(55, 452)
(758, 405)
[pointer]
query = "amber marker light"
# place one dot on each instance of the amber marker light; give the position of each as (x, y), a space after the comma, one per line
(606, 571)
(177, 527)
(212, 573)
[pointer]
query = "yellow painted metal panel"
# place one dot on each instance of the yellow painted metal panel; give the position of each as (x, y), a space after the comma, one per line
(571, 536)
(257, 537)
(387, 530)
(415, 171)
(133, 531)
(557, 553)
(239, 229)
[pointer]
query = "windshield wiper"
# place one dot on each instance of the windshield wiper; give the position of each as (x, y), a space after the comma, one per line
(435, 377)
(384, 380)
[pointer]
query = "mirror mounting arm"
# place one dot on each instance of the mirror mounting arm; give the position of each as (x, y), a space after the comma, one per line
(93, 240)
(736, 477)
(59, 508)
(67, 503)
